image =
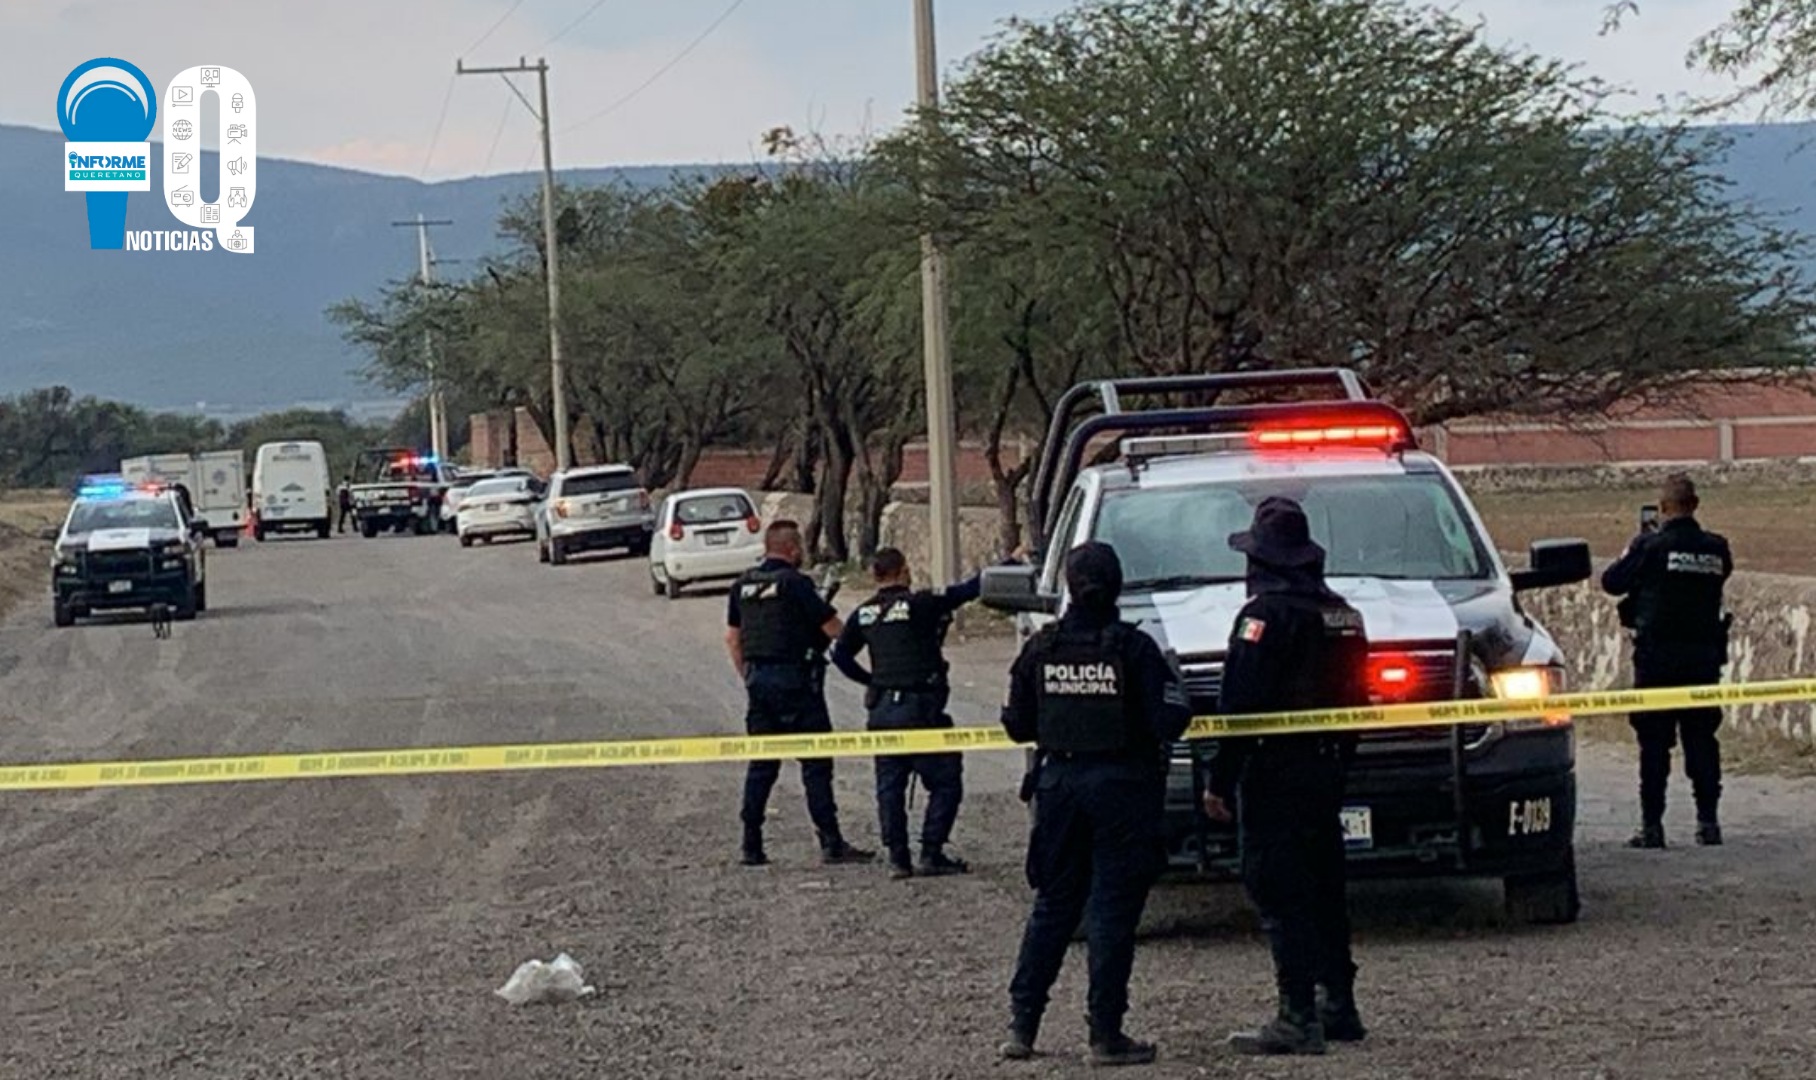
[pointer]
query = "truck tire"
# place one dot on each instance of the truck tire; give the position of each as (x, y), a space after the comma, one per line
(227, 538)
(184, 609)
(368, 529)
(466, 541)
(322, 530)
(1547, 899)
(557, 553)
(62, 614)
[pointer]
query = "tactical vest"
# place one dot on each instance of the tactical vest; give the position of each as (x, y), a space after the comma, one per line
(1338, 675)
(769, 626)
(1678, 596)
(1081, 692)
(904, 650)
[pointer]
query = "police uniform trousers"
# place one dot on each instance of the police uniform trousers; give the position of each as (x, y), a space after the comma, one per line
(789, 699)
(1670, 664)
(1097, 842)
(941, 774)
(1293, 866)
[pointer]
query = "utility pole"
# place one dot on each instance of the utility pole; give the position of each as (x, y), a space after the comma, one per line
(438, 408)
(557, 377)
(942, 424)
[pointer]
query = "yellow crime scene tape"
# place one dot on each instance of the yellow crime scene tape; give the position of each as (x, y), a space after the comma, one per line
(732, 748)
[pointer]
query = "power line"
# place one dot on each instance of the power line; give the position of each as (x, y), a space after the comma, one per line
(496, 135)
(487, 36)
(597, 4)
(661, 71)
(436, 138)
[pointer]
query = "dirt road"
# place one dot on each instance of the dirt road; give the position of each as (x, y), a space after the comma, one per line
(357, 928)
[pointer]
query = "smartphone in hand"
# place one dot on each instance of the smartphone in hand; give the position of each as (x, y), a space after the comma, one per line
(1648, 519)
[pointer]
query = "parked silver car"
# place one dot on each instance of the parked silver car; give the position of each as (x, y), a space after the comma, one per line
(593, 508)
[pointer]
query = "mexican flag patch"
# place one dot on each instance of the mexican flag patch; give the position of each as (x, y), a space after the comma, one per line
(1250, 630)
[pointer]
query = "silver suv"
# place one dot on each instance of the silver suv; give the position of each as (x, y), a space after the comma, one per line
(1404, 546)
(594, 508)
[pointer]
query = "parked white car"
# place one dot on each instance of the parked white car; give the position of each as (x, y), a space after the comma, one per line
(712, 534)
(500, 506)
(591, 508)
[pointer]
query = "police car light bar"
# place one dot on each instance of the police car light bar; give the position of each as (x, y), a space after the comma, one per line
(1140, 450)
(1381, 436)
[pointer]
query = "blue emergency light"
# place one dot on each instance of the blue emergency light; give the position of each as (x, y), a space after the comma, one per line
(102, 487)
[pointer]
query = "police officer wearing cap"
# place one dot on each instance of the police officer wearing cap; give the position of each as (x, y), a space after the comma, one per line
(778, 628)
(1296, 645)
(1101, 703)
(905, 632)
(1671, 583)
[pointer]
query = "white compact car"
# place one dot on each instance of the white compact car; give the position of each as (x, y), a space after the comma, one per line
(708, 535)
(500, 506)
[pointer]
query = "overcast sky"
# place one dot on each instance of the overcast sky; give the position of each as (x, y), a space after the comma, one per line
(362, 82)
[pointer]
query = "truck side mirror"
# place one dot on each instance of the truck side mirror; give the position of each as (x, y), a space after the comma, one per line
(1015, 588)
(1554, 563)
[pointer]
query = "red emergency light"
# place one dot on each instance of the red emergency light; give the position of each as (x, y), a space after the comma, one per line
(1391, 677)
(1373, 434)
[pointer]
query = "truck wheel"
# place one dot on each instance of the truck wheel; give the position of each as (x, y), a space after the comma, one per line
(466, 541)
(184, 610)
(62, 614)
(322, 530)
(557, 553)
(368, 529)
(227, 538)
(1545, 899)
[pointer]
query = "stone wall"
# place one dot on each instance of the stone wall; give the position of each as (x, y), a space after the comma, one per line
(1496, 478)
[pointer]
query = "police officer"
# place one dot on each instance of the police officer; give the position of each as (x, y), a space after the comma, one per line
(778, 627)
(1671, 583)
(905, 632)
(343, 500)
(1101, 703)
(1295, 645)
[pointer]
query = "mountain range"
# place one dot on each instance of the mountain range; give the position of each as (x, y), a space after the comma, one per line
(233, 335)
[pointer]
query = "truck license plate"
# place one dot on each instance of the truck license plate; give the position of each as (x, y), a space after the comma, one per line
(119, 586)
(1358, 827)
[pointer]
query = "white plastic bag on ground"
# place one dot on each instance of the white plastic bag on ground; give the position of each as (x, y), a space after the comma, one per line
(535, 982)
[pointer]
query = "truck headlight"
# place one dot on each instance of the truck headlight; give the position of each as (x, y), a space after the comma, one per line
(170, 564)
(1527, 684)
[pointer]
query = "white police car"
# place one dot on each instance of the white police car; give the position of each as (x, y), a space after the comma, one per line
(1404, 546)
(127, 546)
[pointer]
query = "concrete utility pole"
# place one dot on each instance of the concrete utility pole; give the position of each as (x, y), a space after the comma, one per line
(942, 423)
(438, 406)
(557, 377)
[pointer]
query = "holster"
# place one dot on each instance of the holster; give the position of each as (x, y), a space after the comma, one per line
(1031, 778)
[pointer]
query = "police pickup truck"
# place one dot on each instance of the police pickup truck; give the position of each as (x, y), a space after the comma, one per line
(399, 491)
(1167, 486)
(127, 546)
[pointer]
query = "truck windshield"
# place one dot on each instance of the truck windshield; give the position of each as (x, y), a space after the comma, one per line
(125, 514)
(1410, 527)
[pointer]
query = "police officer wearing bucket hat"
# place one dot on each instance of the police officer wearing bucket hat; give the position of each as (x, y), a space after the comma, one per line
(1101, 702)
(1296, 645)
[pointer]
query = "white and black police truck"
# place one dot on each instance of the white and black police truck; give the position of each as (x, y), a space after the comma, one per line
(125, 545)
(1167, 486)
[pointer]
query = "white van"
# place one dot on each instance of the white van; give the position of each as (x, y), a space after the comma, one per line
(290, 485)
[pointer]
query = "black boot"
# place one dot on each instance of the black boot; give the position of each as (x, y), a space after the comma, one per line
(901, 864)
(1338, 1016)
(936, 863)
(1650, 837)
(1291, 1031)
(837, 852)
(753, 848)
(1023, 1029)
(1708, 830)
(1110, 1047)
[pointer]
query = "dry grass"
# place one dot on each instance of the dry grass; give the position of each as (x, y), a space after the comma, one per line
(22, 554)
(1767, 526)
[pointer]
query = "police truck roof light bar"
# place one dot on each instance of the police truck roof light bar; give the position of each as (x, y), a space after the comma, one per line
(1109, 395)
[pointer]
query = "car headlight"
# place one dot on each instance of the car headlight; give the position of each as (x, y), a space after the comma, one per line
(1528, 684)
(170, 564)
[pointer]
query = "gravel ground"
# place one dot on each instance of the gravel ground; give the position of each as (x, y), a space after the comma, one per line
(357, 928)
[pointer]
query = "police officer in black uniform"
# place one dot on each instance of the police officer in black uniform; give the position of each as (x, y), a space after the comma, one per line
(1670, 581)
(905, 632)
(1295, 645)
(778, 630)
(1101, 703)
